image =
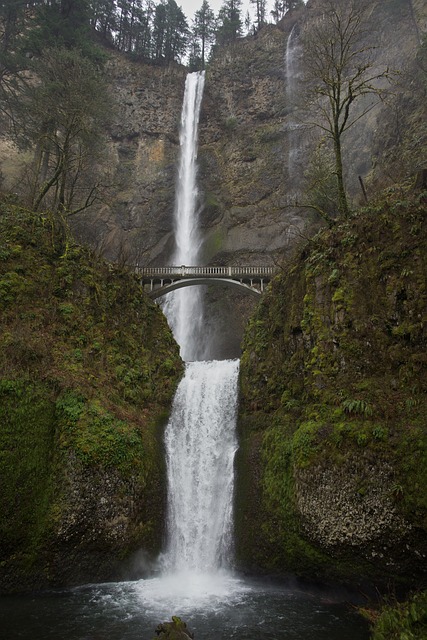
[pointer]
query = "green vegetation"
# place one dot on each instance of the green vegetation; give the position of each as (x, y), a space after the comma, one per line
(174, 630)
(333, 380)
(401, 621)
(158, 33)
(26, 455)
(88, 368)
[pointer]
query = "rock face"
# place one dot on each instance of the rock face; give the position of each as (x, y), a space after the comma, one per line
(135, 223)
(244, 149)
(88, 368)
(254, 144)
(332, 468)
(254, 149)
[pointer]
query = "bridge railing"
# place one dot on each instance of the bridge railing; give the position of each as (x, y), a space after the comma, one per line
(183, 271)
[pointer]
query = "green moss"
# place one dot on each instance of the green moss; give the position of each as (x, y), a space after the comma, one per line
(214, 243)
(304, 443)
(27, 440)
(333, 365)
(287, 546)
(88, 368)
(98, 437)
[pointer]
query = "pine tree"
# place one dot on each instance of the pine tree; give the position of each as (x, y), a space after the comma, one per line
(204, 30)
(229, 22)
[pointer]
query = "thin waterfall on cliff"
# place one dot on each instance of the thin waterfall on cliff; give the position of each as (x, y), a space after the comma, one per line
(292, 69)
(183, 308)
(293, 52)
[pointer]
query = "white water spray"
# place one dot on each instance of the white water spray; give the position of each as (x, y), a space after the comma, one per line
(292, 63)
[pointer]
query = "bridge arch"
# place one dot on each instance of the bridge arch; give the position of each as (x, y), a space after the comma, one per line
(190, 282)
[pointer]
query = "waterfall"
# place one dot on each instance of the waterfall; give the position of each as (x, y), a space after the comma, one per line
(200, 448)
(183, 308)
(292, 70)
(292, 56)
(200, 440)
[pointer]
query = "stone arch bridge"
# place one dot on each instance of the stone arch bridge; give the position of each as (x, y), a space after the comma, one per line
(157, 281)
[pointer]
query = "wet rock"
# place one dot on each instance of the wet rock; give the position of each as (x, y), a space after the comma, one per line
(174, 630)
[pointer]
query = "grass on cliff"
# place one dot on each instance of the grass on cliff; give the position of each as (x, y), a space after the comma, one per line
(74, 321)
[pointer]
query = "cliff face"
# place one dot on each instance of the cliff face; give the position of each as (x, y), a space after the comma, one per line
(254, 148)
(134, 224)
(242, 144)
(88, 368)
(254, 142)
(254, 151)
(332, 469)
(244, 151)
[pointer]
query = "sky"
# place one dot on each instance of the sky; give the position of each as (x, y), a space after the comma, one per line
(189, 7)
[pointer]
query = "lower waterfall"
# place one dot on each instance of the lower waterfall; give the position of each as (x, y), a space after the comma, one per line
(200, 445)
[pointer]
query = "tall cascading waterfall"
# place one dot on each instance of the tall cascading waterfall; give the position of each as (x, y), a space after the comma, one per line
(200, 436)
(183, 308)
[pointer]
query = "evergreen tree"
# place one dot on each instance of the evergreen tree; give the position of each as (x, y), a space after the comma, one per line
(260, 7)
(204, 30)
(170, 32)
(63, 23)
(194, 53)
(103, 17)
(142, 33)
(229, 22)
(13, 19)
(280, 7)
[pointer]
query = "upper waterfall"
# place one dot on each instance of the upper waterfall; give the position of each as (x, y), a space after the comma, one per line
(187, 236)
(183, 308)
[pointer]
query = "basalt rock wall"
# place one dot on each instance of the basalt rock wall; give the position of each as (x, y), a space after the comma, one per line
(88, 369)
(254, 141)
(254, 147)
(332, 467)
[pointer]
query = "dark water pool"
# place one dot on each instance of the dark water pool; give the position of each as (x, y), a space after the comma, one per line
(215, 607)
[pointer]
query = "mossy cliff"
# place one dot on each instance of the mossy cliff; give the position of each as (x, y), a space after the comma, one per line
(88, 368)
(333, 421)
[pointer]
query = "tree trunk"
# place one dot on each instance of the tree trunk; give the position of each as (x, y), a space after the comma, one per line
(342, 196)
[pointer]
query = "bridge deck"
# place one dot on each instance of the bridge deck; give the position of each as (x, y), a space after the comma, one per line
(161, 280)
(147, 273)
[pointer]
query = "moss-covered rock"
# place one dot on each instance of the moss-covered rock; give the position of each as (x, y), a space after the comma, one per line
(333, 423)
(88, 368)
(174, 630)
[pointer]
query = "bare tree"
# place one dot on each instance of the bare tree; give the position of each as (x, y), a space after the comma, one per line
(340, 71)
(61, 115)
